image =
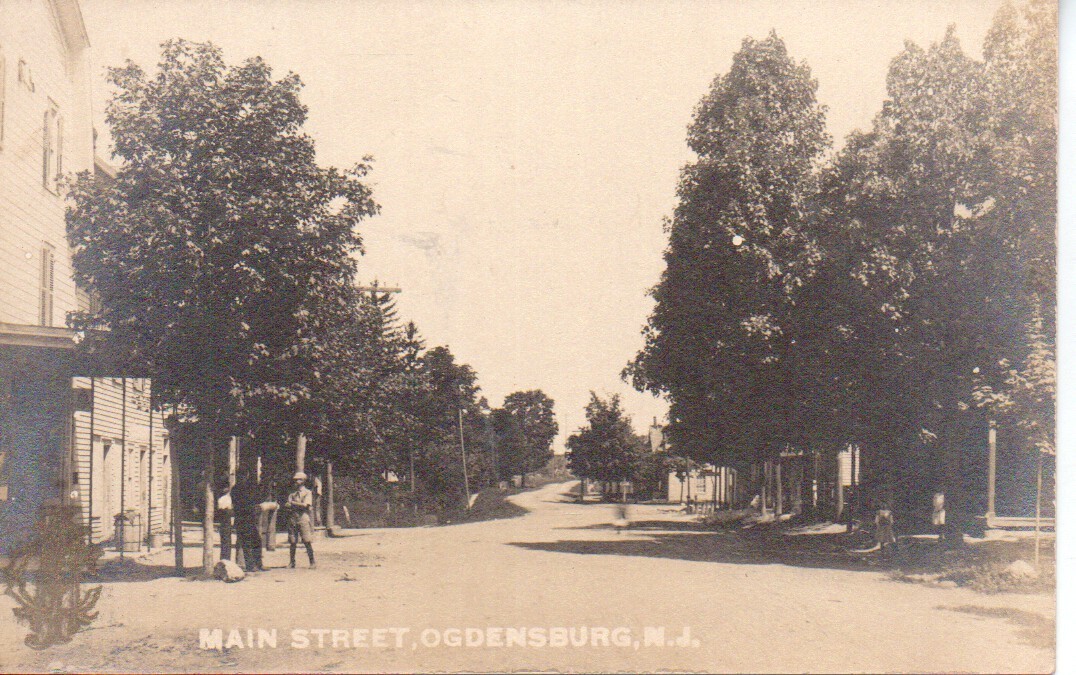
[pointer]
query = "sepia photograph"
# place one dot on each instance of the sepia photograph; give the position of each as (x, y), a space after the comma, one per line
(563, 336)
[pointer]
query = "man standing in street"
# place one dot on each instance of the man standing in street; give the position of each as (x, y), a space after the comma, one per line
(245, 504)
(300, 527)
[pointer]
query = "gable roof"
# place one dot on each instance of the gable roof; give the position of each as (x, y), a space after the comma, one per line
(69, 16)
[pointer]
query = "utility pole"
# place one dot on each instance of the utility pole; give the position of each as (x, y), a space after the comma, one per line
(463, 453)
(123, 468)
(373, 289)
(1038, 505)
(377, 288)
(992, 471)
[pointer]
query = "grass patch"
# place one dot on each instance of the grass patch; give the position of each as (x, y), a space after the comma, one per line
(982, 566)
(491, 504)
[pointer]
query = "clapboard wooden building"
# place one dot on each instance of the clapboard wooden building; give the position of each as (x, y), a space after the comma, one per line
(87, 441)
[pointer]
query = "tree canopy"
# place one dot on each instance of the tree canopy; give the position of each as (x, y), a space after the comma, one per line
(897, 295)
(221, 252)
(605, 449)
(720, 342)
(532, 412)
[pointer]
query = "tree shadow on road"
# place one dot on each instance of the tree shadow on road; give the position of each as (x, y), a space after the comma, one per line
(644, 526)
(686, 541)
(1033, 629)
(129, 570)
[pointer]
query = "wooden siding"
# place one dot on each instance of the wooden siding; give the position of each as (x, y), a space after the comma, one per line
(30, 213)
(120, 464)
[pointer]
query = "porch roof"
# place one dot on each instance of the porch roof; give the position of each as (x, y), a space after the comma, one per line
(46, 337)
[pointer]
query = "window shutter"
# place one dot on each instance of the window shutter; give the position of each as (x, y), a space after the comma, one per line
(42, 287)
(47, 285)
(59, 149)
(52, 283)
(46, 149)
(52, 145)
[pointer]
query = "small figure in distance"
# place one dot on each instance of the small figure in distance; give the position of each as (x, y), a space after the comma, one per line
(884, 535)
(621, 520)
(937, 517)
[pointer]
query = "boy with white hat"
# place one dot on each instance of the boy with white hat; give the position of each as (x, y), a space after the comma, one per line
(300, 502)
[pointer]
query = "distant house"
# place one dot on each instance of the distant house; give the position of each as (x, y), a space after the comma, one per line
(61, 436)
(707, 484)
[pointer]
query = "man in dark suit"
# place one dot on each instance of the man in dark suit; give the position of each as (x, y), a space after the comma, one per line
(246, 509)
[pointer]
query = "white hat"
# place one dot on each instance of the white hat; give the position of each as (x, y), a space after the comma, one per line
(299, 475)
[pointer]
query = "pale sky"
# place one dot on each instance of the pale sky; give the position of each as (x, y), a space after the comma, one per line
(527, 152)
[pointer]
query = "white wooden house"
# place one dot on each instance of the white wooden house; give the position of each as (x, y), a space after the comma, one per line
(61, 437)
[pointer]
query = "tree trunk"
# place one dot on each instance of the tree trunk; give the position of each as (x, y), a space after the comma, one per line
(233, 460)
(780, 505)
(226, 534)
(177, 512)
(855, 504)
(798, 480)
(816, 458)
(270, 534)
(330, 517)
(955, 500)
(207, 519)
(765, 487)
(226, 523)
(839, 490)
(717, 477)
(992, 468)
(300, 453)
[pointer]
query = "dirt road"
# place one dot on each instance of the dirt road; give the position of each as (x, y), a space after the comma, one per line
(559, 567)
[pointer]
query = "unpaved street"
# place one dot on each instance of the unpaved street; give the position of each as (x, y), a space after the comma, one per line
(559, 566)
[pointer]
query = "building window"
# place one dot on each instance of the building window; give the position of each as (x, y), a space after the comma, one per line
(52, 148)
(47, 284)
(24, 75)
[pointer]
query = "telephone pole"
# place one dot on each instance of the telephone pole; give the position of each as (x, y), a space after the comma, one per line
(378, 288)
(373, 289)
(463, 454)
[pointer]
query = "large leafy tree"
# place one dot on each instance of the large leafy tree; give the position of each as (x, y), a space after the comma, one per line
(451, 401)
(1020, 74)
(509, 442)
(947, 209)
(606, 448)
(533, 413)
(721, 340)
(935, 286)
(221, 252)
(899, 298)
